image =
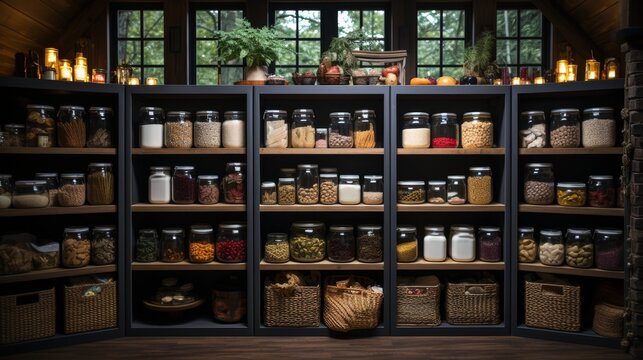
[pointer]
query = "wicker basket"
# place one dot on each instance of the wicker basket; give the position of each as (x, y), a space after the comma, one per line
(86, 313)
(298, 307)
(552, 306)
(418, 305)
(27, 316)
(471, 303)
(608, 320)
(347, 309)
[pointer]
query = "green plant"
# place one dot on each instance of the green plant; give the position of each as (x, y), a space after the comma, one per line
(478, 57)
(340, 50)
(258, 46)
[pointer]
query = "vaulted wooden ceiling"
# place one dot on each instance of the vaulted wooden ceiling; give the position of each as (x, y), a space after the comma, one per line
(598, 19)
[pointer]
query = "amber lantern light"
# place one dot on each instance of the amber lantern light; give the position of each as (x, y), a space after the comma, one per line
(539, 80)
(515, 80)
(572, 71)
(80, 68)
(51, 60)
(133, 81)
(592, 69)
(151, 81)
(611, 68)
(561, 71)
(65, 70)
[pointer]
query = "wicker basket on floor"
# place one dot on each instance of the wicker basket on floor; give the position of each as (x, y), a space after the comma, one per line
(472, 303)
(27, 316)
(85, 312)
(418, 305)
(608, 320)
(347, 309)
(296, 307)
(552, 306)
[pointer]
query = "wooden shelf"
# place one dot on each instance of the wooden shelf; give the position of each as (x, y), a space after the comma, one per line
(494, 207)
(153, 208)
(449, 264)
(572, 210)
(57, 273)
(191, 151)
(326, 151)
(59, 210)
(186, 266)
(321, 208)
(492, 151)
(568, 270)
(572, 151)
(58, 151)
(321, 265)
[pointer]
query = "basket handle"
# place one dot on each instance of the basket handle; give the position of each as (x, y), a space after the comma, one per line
(552, 290)
(474, 290)
(27, 299)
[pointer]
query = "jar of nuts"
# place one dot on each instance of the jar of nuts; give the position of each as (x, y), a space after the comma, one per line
(76, 247)
(477, 130)
(178, 129)
(527, 245)
(201, 244)
(600, 190)
(340, 131)
(479, 185)
(565, 128)
(407, 243)
(286, 191)
(276, 249)
(373, 190)
(307, 241)
(579, 248)
(341, 243)
(410, 192)
(599, 127)
(456, 190)
(307, 184)
(551, 248)
(268, 193)
(571, 194)
(437, 193)
(533, 129)
(328, 189)
(302, 129)
(539, 184)
(172, 245)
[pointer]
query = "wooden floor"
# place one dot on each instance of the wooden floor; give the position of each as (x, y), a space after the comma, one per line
(283, 348)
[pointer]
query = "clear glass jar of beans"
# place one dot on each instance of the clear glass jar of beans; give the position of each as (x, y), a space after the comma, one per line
(609, 249)
(178, 129)
(539, 184)
(489, 243)
(286, 191)
(407, 243)
(579, 248)
(410, 192)
(551, 250)
(183, 185)
(307, 184)
(533, 129)
(477, 130)
(201, 244)
(601, 191)
(208, 189)
(479, 185)
(207, 129)
(231, 242)
(234, 183)
(302, 129)
(598, 127)
(416, 132)
(565, 128)
(369, 243)
(172, 245)
(321, 138)
(307, 241)
(328, 188)
(341, 243)
(456, 190)
(147, 246)
(340, 131)
(445, 130)
(364, 129)
(276, 249)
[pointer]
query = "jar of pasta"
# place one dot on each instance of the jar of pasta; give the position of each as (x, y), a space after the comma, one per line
(302, 130)
(407, 243)
(276, 128)
(72, 130)
(364, 128)
(571, 194)
(201, 244)
(100, 184)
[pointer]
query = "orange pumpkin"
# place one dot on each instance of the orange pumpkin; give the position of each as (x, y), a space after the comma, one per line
(420, 81)
(446, 80)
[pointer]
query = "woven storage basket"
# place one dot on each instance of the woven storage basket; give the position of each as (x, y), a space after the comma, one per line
(27, 316)
(470, 303)
(351, 309)
(418, 305)
(297, 307)
(608, 320)
(86, 313)
(552, 306)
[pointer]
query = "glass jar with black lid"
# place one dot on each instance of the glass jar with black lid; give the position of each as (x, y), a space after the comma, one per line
(364, 128)
(416, 132)
(445, 130)
(369, 243)
(341, 243)
(307, 184)
(407, 243)
(302, 129)
(172, 245)
(565, 128)
(307, 241)
(99, 127)
(151, 120)
(72, 130)
(234, 183)
(533, 129)
(340, 131)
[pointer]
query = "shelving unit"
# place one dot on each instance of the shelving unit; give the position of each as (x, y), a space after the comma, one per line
(57, 273)
(322, 208)
(172, 208)
(568, 270)
(421, 264)
(59, 210)
(570, 210)
(321, 265)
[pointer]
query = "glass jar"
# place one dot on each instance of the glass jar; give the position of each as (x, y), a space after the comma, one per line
(40, 123)
(373, 190)
(407, 243)
(539, 184)
(286, 191)
(288, 172)
(183, 185)
(302, 131)
(103, 245)
(364, 129)
(234, 183)
(479, 185)
(147, 246)
(6, 188)
(208, 189)
(52, 186)
(30, 194)
(72, 130)
(527, 245)
(307, 184)
(489, 243)
(598, 128)
(99, 127)
(435, 243)
(349, 190)
(151, 121)
(565, 128)
(341, 243)
(172, 245)
(601, 191)
(551, 250)
(456, 190)
(72, 190)
(579, 248)
(321, 138)
(370, 243)
(207, 129)
(340, 131)
(571, 194)
(231, 242)
(15, 134)
(100, 184)
(445, 130)
(437, 193)
(229, 300)
(410, 192)
(533, 129)
(268, 193)
(416, 133)
(76, 247)
(328, 189)
(234, 129)
(307, 241)
(462, 241)
(477, 130)
(609, 249)
(201, 244)
(276, 249)
(159, 188)
(178, 129)
(276, 128)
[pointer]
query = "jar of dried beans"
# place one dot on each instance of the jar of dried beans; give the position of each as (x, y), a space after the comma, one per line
(609, 249)
(340, 132)
(183, 185)
(477, 130)
(208, 189)
(539, 184)
(173, 245)
(234, 183)
(207, 129)
(598, 127)
(489, 243)
(565, 128)
(307, 184)
(178, 129)
(231, 243)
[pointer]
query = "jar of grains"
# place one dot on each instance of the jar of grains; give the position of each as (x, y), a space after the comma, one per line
(565, 128)
(527, 245)
(435, 243)
(276, 128)
(286, 191)
(445, 130)
(208, 189)
(40, 126)
(276, 249)
(369, 243)
(307, 184)
(477, 130)
(151, 121)
(609, 249)
(599, 127)
(231, 242)
(462, 243)
(307, 241)
(571, 194)
(201, 244)
(72, 190)
(340, 131)
(533, 129)
(159, 188)
(100, 184)
(349, 190)
(410, 192)
(52, 185)
(147, 246)
(416, 133)
(364, 128)
(234, 129)
(71, 126)
(456, 190)
(207, 129)
(103, 245)
(178, 129)
(30, 194)
(601, 191)
(551, 250)
(268, 193)
(6, 187)
(234, 183)
(76, 247)
(302, 130)
(341, 243)
(172, 245)
(321, 138)
(183, 185)
(479, 185)
(489, 243)
(328, 188)
(437, 193)
(539, 184)
(99, 127)
(373, 190)
(15, 134)
(407, 243)
(579, 248)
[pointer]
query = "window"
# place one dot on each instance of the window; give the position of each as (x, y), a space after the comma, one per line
(138, 40)
(520, 39)
(371, 22)
(301, 30)
(442, 34)
(204, 70)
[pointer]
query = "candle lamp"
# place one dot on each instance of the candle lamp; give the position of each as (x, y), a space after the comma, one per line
(80, 73)
(498, 82)
(525, 82)
(151, 81)
(515, 80)
(133, 81)
(51, 60)
(592, 69)
(611, 68)
(561, 70)
(539, 80)
(65, 70)
(572, 70)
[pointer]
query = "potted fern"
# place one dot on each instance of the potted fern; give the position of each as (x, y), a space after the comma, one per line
(338, 61)
(477, 59)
